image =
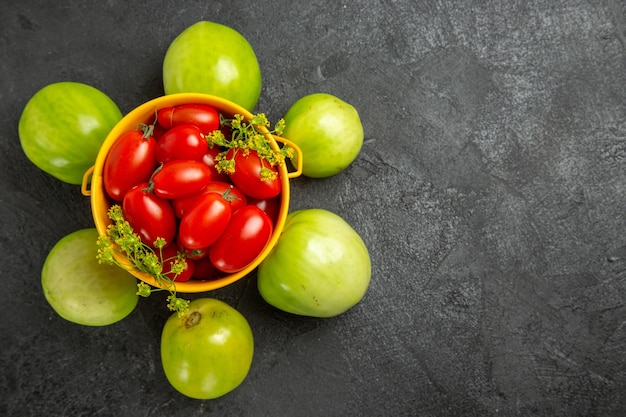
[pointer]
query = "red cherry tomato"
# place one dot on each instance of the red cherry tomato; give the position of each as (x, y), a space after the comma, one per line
(209, 160)
(180, 178)
(130, 161)
(204, 222)
(150, 217)
(181, 142)
(244, 239)
(168, 256)
(158, 131)
(247, 175)
(201, 115)
(204, 270)
(271, 206)
(229, 192)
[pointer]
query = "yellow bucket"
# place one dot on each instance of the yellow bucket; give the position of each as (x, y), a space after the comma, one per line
(93, 186)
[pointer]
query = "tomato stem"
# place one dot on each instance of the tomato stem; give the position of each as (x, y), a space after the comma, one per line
(192, 319)
(147, 130)
(150, 186)
(228, 195)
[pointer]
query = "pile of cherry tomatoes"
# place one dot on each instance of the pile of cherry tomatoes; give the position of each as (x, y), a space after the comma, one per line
(164, 176)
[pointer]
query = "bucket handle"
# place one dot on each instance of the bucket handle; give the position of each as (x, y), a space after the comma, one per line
(295, 147)
(84, 188)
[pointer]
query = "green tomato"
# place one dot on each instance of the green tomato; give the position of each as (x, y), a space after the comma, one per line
(80, 289)
(327, 130)
(214, 59)
(207, 352)
(63, 126)
(320, 266)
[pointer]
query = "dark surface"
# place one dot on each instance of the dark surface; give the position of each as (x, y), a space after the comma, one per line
(490, 192)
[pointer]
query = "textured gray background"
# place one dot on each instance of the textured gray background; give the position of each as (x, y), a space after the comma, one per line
(490, 192)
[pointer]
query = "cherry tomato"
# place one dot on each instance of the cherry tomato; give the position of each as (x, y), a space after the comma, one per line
(180, 178)
(150, 217)
(271, 206)
(181, 142)
(204, 269)
(204, 222)
(243, 240)
(247, 175)
(209, 160)
(229, 192)
(130, 161)
(205, 117)
(158, 131)
(168, 256)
